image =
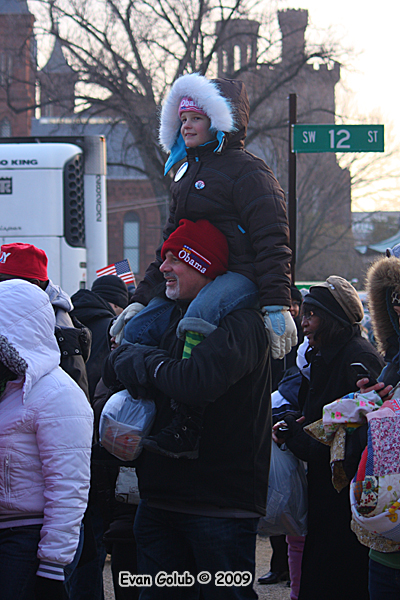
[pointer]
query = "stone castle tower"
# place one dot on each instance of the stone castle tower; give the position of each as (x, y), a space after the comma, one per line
(323, 187)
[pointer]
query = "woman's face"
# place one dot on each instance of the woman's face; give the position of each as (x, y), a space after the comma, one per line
(310, 324)
(294, 309)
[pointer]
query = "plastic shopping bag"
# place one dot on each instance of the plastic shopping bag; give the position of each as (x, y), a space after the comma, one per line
(124, 422)
(287, 495)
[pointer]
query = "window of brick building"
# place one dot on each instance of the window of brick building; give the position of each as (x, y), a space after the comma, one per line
(6, 68)
(131, 240)
(5, 128)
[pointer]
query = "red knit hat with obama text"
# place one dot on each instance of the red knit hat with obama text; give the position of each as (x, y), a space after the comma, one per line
(200, 245)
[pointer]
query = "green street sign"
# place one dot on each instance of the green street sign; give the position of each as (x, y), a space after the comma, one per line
(338, 138)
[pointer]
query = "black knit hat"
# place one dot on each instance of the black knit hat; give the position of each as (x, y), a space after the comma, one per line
(295, 294)
(112, 289)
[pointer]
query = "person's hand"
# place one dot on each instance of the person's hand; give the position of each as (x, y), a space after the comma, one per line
(281, 329)
(126, 365)
(117, 328)
(287, 425)
(48, 589)
(380, 388)
(109, 375)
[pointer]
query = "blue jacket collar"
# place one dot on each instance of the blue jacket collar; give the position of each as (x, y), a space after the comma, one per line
(179, 150)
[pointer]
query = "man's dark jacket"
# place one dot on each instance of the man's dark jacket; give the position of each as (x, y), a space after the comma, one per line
(96, 314)
(229, 373)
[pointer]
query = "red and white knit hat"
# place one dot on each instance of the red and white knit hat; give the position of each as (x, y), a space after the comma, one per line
(200, 245)
(188, 105)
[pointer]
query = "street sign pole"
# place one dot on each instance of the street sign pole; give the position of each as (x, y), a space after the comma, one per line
(313, 137)
(292, 183)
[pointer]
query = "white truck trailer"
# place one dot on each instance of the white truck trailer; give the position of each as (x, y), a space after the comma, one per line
(53, 195)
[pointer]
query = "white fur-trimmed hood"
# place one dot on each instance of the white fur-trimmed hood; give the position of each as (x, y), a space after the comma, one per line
(27, 321)
(206, 95)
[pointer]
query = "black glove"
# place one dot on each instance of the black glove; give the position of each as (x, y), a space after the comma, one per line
(303, 445)
(127, 365)
(48, 589)
(109, 375)
(294, 427)
(297, 440)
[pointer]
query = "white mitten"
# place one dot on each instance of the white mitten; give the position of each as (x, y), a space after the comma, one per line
(281, 329)
(117, 328)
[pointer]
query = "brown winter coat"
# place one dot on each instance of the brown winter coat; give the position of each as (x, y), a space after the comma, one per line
(238, 193)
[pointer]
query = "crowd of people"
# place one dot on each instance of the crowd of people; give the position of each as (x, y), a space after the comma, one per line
(211, 330)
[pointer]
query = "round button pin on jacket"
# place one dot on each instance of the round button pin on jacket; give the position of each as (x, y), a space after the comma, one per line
(181, 171)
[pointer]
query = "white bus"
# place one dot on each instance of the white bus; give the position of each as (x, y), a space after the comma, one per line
(53, 195)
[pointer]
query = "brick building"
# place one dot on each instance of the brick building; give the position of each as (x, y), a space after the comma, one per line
(134, 224)
(17, 73)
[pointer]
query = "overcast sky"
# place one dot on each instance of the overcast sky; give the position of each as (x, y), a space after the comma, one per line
(373, 29)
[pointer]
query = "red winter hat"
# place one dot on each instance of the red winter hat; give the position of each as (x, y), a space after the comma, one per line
(200, 245)
(23, 260)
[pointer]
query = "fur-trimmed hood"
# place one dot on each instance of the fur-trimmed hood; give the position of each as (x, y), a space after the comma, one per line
(224, 101)
(382, 278)
(27, 324)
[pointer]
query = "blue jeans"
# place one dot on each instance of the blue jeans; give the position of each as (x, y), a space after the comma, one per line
(172, 541)
(218, 298)
(69, 569)
(19, 562)
(148, 326)
(384, 582)
(86, 581)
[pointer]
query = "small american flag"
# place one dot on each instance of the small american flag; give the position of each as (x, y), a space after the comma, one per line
(122, 269)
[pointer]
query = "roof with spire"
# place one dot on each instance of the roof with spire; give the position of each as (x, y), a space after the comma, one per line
(14, 7)
(57, 62)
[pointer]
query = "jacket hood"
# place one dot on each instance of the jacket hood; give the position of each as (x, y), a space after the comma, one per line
(89, 307)
(27, 324)
(224, 101)
(382, 278)
(58, 297)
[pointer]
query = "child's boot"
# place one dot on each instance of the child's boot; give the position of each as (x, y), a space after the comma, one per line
(180, 439)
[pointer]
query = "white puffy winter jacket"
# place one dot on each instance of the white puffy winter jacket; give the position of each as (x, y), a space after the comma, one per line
(45, 432)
